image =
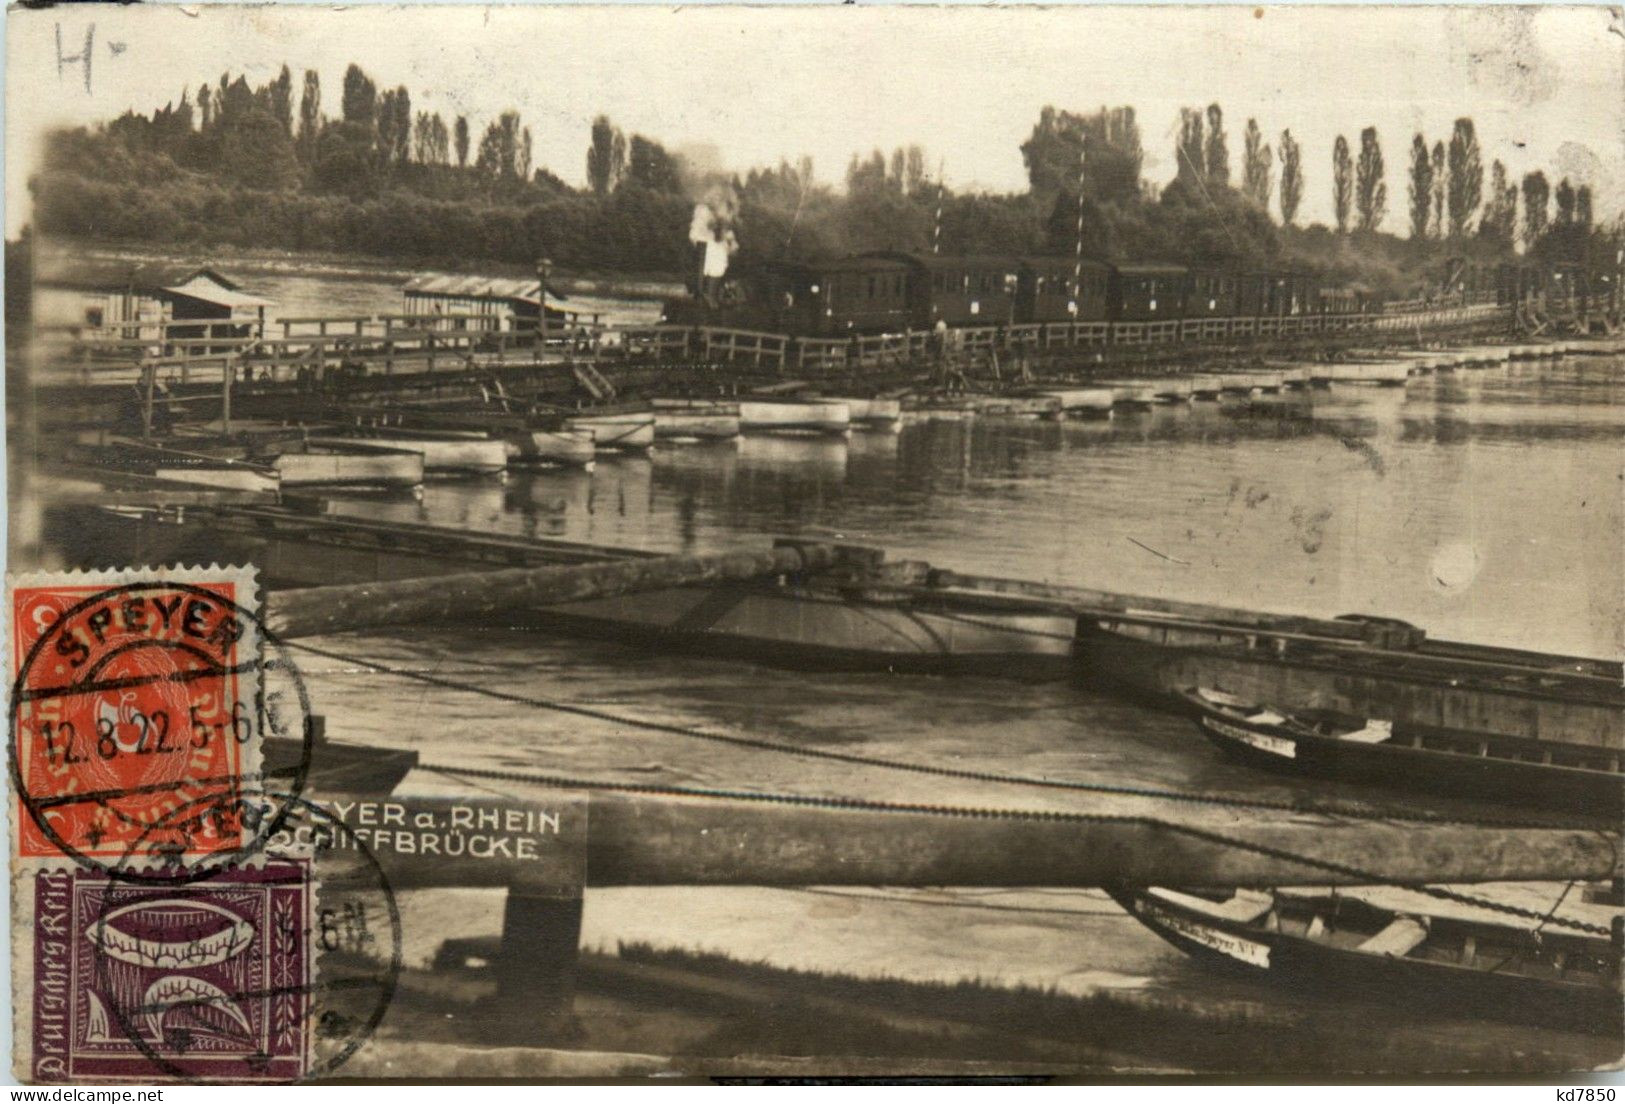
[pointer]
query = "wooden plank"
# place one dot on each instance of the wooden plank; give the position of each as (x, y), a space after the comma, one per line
(647, 839)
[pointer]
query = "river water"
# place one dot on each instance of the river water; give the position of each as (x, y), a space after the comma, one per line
(1483, 505)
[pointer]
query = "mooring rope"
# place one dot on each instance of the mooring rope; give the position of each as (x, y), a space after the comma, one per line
(955, 811)
(958, 773)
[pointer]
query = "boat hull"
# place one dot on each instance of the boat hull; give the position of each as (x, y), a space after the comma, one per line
(1085, 402)
(340, 469)
(552, 447)
(873, 411)
(617, 432)
(790, 624)
(1415, 985)
(1161, 664)
(440, 457)
(1394, 764)
(681, 424)
(795, 417)
(240, 478)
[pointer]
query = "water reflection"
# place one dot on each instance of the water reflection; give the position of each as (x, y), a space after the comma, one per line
(1322, 501)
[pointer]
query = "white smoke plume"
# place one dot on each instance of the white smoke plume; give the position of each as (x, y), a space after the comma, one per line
(713, 226)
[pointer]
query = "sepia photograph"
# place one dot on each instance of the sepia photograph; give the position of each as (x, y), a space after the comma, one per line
(815, 542)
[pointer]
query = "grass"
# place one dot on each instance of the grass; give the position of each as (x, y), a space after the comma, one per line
(822, 1013)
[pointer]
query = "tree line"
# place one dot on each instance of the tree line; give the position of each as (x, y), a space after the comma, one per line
(265, 166)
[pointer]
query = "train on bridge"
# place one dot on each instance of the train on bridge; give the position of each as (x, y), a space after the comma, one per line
(893, 292)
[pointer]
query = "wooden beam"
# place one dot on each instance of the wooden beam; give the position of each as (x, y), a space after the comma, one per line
(439, 598)
(654, 839)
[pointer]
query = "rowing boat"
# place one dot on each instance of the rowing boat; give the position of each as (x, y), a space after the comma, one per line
(678, 419)
(1423, 960)
(441, 455)
(795, 416)
(575, 448)
(872, 412)
(627, 432)
(1568, 779)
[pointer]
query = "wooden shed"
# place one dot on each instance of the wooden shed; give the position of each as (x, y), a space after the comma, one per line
(485, 302)
(145, 300)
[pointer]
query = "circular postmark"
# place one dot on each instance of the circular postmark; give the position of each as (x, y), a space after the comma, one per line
(274, 969)
(136, 700)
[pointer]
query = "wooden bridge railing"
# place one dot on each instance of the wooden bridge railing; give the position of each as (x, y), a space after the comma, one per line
(416, 344)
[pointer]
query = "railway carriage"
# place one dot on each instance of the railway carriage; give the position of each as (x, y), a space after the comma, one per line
(1062, 289)
(891, 292)
(960, 291)
(1147, 292)
(1210, 293)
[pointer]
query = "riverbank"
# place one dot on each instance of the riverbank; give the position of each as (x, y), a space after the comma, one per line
(713, 1013)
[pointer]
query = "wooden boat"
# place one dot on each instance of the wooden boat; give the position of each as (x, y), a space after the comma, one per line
(633, 431)
(1324, 744)
(318, 467)
(1206, 386)
(799, 622)
(1134, 393)
(1245, 383)
(795, 416)
(1433, 962)
(1174, 389)
(678, 419)
(574, 448)
(441, 456)
(1018, 406)
(1085, 402)
(130, 462)
(1356, 665)
(872, 412)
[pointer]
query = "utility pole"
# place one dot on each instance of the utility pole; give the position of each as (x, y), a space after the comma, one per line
(936, 232)
(544, 269)
(1077, 261)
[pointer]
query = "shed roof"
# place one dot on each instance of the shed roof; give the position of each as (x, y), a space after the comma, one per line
(201, 287)
(479, 287)
(98, 274)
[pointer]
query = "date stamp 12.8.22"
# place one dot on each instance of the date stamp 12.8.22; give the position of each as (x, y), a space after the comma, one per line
(133, 693)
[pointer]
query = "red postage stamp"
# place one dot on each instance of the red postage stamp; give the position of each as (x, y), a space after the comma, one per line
(133, 693)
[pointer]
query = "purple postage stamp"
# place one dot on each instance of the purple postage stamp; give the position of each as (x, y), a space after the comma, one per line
(208, 980)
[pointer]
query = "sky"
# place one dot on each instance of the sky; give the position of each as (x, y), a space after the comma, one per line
(1545, 87)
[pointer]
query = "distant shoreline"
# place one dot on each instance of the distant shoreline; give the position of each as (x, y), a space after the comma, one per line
(245, 260)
